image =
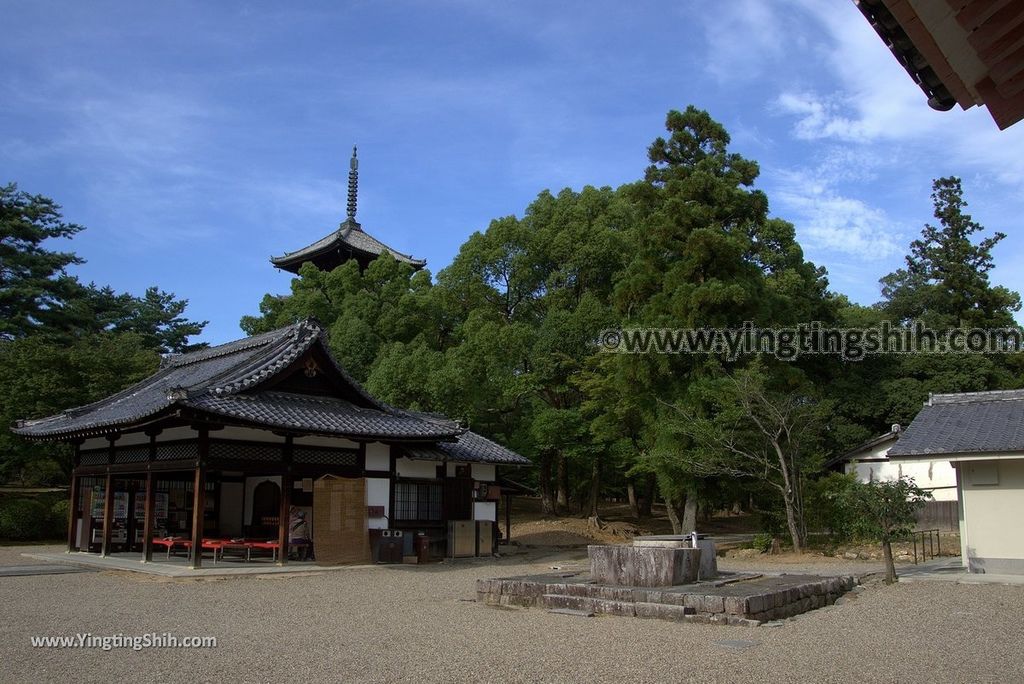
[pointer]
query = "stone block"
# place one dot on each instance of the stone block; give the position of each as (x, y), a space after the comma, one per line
(649, 596)
(552, 601)
(736, 605)
(621, 608)
(756, 603)
(519, 600)
(577, 589)
(661, 611)
(643, 566)
(714, 604)
(676, 598)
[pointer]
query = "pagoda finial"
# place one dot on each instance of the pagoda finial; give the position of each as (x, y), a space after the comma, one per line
(353, 185)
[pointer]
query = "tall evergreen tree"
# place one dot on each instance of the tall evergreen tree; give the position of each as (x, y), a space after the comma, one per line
(946, 279)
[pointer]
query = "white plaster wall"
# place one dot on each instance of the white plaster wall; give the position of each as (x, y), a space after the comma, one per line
(378, 457)
(426, 470)
(378, 493)
(484, 472)
(937, 476)
(250, 485)
(992, 512)
(485, 510)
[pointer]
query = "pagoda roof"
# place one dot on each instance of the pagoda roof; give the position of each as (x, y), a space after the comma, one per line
(241, 383)
(229, 381)
(348, 241)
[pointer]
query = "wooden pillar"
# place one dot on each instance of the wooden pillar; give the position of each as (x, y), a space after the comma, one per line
(198, 508)
(508, 518)
(283, 531)
(76, 484)
(147, 519)
(108, 514)
(199, 500)
(150, 503)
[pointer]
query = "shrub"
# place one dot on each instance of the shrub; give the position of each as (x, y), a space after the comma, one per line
(23, 519)
(762, 542)
(827, 509)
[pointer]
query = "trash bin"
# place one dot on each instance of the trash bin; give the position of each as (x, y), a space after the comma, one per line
(422, 548)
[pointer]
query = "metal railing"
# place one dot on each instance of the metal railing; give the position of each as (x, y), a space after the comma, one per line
(930, 544)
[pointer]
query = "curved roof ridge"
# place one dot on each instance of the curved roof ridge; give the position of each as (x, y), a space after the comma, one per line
(277, 357)
(233, 347)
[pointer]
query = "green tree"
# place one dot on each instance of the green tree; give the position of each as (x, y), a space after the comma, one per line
(39, 377)
(34, 285)
(758, 432)
(705, 253)
(63, 343)
(885, 512)
(946, 280)
(945, 284)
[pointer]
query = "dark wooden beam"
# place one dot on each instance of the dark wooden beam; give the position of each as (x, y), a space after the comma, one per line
(199, 500)
(108, 514)
(184, 465)
(147, 519)
(149, 504)
(508, 518)
(283, 532)
(73, 511)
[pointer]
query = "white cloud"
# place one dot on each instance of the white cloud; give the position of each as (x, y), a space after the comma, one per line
(819, 118)
(873, 101)
(829, 221)
(743, 37)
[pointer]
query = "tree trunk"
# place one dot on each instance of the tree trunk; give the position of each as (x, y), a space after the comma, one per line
(794, 529)
(631, 494)
(890, 567)
(689, 521)
(595, 487)
(562, 478)
(547, 498)
(647, 496)
(675, 515)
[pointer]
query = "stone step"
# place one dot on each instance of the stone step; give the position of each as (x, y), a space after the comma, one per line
(586, 604)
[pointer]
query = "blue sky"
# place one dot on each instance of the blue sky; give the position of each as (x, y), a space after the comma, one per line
(195, 139)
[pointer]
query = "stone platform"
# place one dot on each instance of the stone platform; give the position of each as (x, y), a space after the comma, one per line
(737, 599)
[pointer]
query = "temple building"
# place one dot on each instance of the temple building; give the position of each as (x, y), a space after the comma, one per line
(218, 450)
(349, 241)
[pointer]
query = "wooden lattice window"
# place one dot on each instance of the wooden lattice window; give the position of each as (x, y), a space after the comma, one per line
(418, 501)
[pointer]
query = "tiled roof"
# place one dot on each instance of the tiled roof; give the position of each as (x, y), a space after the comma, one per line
(469, 448)
(973, 422)
(318, 414)
(221, 380)
(349, 237)
(854, 453)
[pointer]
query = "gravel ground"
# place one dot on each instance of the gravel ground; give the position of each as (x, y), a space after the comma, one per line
(415, 624)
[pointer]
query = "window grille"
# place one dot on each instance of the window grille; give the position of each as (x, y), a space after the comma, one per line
(131, 454)
(245, 452)
(93, 457)
(417, 501)
(325, 456)
(177, 451)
